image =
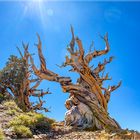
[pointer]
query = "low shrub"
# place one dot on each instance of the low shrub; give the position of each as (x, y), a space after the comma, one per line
(30, 119)
(22, 119)
(1, 135)
(10, 104)
(26, 122)
(12, 112)
(22, 131)
(30, 122)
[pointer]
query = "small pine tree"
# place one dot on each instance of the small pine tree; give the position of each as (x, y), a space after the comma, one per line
(16, 79)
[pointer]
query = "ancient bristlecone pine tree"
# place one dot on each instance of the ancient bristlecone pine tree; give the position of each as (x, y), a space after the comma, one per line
(17, 80)
(88, 100)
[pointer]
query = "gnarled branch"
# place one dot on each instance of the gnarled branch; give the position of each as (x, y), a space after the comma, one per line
(94, 54)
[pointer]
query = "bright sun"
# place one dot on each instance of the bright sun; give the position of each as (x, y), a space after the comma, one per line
(34, 4)
(38, 9)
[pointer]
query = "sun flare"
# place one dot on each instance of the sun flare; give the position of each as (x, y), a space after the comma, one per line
(34, 5)
(38, 9)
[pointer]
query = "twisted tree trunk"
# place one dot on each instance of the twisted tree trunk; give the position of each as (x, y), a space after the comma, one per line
(87, 103)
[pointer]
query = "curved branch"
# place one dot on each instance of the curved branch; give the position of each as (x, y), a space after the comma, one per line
(41, 57)
(101, 66)
(112, 88)
(81, 50)
(94, 54)
(109, 90)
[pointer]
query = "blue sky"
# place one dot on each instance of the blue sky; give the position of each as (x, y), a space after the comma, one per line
(20, 21)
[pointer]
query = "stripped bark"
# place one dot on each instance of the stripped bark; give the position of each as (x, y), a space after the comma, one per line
(87, 103)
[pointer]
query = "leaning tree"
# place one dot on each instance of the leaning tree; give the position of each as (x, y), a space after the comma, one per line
(18, 81)
(88, 101)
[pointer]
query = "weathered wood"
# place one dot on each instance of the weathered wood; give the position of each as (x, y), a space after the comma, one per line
(87, 103)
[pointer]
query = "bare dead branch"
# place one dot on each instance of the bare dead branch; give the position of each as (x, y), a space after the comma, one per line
(101, 66)
(20, 52)
(109, 90)
(72, 43)
(36, 84)
(94, 54)
(41, 57)
(81, 50)
(112, 88)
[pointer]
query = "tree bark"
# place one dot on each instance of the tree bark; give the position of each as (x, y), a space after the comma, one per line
(88, 100)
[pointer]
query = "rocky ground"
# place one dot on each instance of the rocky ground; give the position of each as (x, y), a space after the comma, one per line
(4, 119)
(61, 132)
(67, 133)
